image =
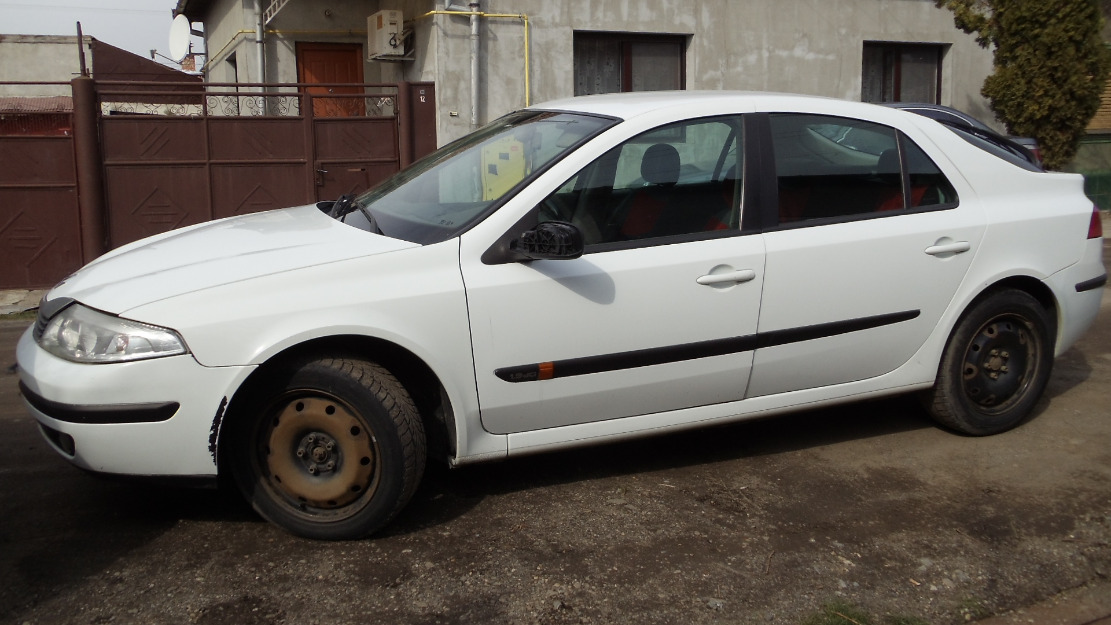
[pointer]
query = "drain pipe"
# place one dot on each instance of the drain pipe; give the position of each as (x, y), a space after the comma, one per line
(259, 46)
(475, 15)
(474, 64)
(452, 9)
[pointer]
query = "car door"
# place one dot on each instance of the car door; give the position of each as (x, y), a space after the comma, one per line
(872, 243)
(656, 315)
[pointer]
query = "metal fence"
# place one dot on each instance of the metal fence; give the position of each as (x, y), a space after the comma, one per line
(136, 159)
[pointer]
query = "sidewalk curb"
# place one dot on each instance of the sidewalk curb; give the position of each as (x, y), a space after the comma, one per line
(19, 300)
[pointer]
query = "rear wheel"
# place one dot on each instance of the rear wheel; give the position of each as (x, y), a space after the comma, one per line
(335, 454)
(995, 366)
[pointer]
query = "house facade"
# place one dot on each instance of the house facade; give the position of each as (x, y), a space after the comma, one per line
(489, 57)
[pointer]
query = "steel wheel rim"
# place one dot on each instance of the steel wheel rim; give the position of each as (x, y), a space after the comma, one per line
(1000, 363)
(319, 456)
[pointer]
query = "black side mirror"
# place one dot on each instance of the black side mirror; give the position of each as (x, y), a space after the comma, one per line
(550, 240)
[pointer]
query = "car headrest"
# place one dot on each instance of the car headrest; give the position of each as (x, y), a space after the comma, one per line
(660, 164)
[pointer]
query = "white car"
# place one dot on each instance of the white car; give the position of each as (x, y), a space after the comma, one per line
(584, 271)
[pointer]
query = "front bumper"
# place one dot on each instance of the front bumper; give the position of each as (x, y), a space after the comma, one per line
(157, 417)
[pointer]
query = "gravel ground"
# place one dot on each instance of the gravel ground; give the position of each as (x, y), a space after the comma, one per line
(759, 522)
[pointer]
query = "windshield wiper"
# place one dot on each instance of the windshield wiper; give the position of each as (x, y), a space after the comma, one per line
(346, 204)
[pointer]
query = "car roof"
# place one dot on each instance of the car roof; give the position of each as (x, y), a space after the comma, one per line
(939, 112)
(632, 104)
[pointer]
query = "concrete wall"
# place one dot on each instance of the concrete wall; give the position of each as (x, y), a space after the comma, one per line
(41, 58)
(799, 46)
(230, 35)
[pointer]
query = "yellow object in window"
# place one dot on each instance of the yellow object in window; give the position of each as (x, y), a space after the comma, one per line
(503, 166)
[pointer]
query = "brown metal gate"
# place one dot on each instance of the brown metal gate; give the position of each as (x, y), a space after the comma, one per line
(172, 159)
(156, 157)
(40, 239)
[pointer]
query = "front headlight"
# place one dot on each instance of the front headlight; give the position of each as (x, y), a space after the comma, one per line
(82, 334)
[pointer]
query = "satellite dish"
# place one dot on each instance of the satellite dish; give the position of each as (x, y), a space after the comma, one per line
(179, 38)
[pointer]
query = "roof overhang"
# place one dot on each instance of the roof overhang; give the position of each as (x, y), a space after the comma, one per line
(195, 10)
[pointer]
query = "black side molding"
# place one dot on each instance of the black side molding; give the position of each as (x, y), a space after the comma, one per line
(1093, 284)
(691, 351)
(110, 413)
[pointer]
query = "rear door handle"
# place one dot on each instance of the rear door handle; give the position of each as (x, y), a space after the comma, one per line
(956, 247)
(742, 275)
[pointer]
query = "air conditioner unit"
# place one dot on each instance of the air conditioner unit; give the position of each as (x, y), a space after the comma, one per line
(384, 36)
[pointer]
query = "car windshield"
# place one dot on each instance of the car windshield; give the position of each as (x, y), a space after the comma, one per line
(444, 193)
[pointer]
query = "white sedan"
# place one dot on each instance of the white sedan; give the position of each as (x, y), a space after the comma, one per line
(583, 271)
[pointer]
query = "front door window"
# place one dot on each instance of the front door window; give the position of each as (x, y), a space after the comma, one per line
(679, 180)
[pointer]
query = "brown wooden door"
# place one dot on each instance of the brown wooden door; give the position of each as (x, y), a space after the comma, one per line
(331, 63)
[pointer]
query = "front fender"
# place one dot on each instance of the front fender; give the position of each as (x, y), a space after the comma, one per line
(413, 298)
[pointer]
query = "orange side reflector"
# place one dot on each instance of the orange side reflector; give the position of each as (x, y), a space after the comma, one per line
(547, 370)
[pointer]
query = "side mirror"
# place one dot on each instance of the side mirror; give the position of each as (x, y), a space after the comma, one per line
(550, 240)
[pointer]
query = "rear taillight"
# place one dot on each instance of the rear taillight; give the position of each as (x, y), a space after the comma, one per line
(1095, 228)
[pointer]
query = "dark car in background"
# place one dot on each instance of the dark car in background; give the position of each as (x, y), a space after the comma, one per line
(1025, 148)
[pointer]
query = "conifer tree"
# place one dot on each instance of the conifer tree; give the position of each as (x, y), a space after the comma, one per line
(1050, 66)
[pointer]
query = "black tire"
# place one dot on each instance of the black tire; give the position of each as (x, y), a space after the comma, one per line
(995, 366)
(334, 454)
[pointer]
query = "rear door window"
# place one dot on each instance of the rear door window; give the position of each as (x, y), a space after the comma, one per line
(833, 168)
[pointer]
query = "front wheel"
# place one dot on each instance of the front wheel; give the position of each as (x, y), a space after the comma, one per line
(995, 366)
(334, 454)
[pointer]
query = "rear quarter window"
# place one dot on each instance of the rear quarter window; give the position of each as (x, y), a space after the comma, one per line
(996, 148)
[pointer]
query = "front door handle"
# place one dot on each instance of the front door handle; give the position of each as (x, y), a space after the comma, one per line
(954, 247)
(742, 275)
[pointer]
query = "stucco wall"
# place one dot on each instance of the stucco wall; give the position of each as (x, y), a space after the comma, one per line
(40, 58)
(230, 30)
(226, 37)
(800, 46)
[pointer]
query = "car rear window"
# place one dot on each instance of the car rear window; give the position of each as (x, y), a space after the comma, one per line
(995, 146)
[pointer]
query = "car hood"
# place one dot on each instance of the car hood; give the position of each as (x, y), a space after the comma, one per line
(218, 253)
